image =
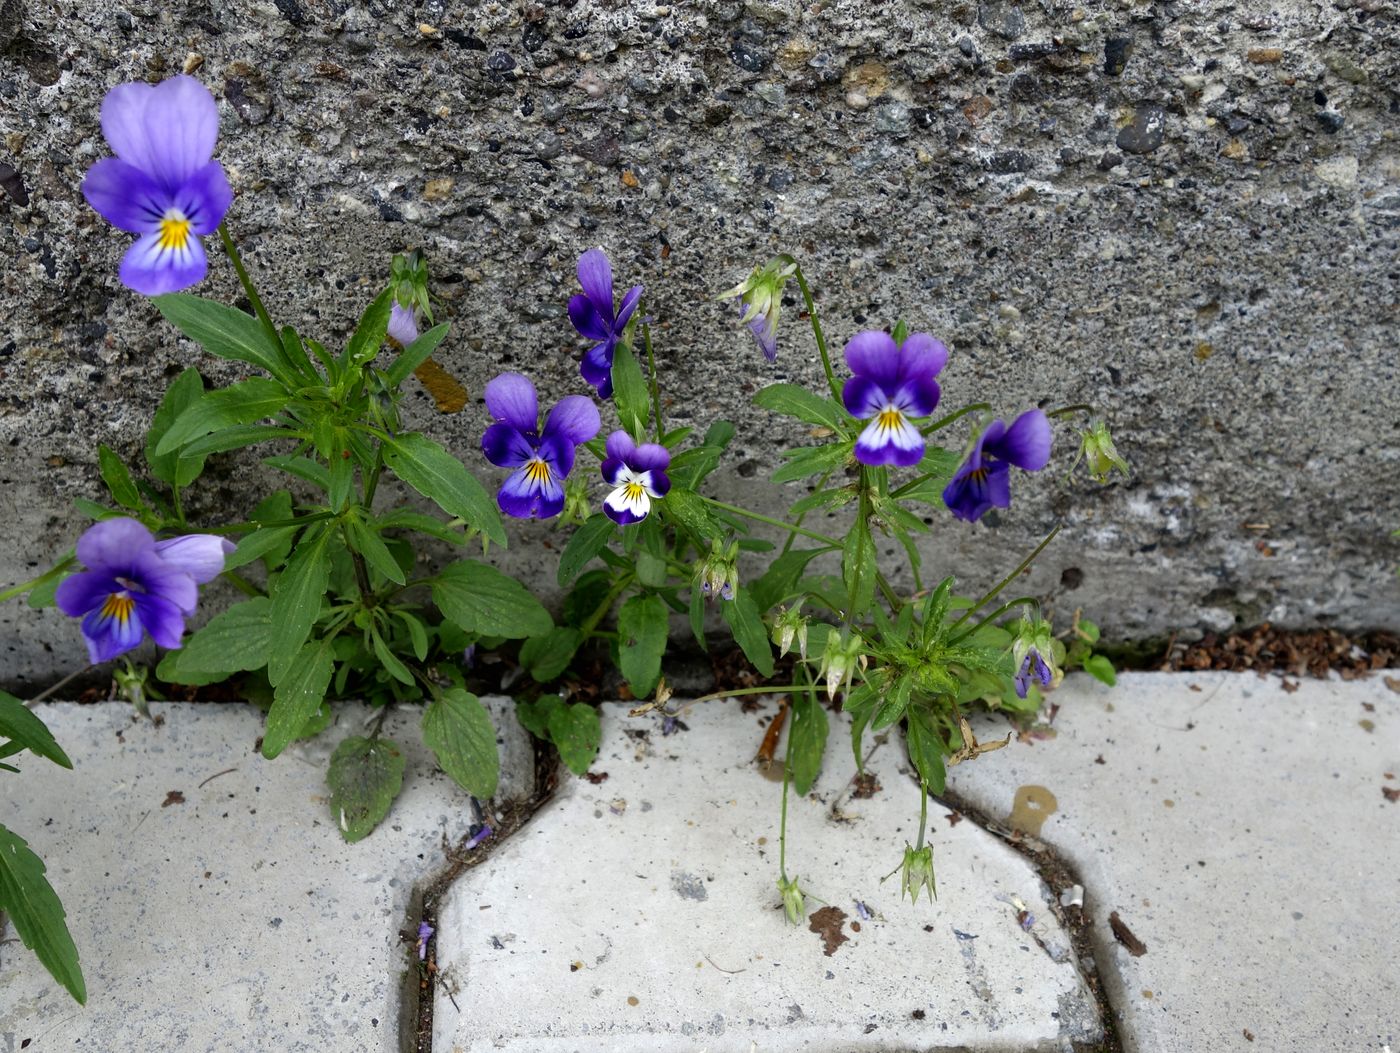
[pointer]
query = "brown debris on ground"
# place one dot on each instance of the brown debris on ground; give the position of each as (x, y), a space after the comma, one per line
(1264, 649)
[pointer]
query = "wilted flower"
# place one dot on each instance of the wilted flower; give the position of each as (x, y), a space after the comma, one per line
(593, 316)
(760, 300)
(1033, 667)
(403, 324)
(1032, 654)
(425, 933)
(793, 904)
(790, 627)
(542, 459)
(719, 573)
(916, 873)
(637, 474)
(892, 383)
(162, 184)
(844, 650)
(984, 480)
(1096, 447)
(135, 584)
(478, 833)
(469, 656)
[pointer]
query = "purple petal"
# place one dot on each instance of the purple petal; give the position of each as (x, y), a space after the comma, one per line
(595, 275)
(168, 131)
(596, 367)
(917, 396)
(863, 398)
(612, 469)
(586, 318)
(1023, 678)
(151, 270)
(621, 446)
(972, 493)
(108, 637)
(511, 399)
(574, 418)
(505, 447)
(648, 456)
(155, 577)
(403, 325)
(624, 311)
(82, 592)
(873, 354)
(1026, 444)
(162, 619)
(1041, 669)
(764, 331)
(921, 355)
(557, 452)
(524, 498)
(114, 545)
(201, 556)
(895, 442)
(204, 198)
(660, 483)
(125, 196)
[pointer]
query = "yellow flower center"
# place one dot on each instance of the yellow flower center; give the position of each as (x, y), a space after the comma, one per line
(633, 491)
(118, 605)
(890, 419)
(537, 472)
(174, 232)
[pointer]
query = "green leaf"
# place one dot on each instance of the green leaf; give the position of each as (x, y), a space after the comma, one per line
(859, 568)
(690, 510)
(235, 641)
(794, 401)
(296, 600)
(118, 479)
(892, 705)
(415, 354)
(369, 333)
(534, 716)
(813, 460)
(746, 622)
(242, 403)
(19, 724)
(697, 616)
(807, 742)
(779, 581)
(407, 519)
(457, 728)
(368, 543)
(1088, 630)
(417, 634)
(480, 599)
(546, 657)
(440, 477)
(265, 542)
(236, 438)
(1101, 669)
(365, 775)
(298, 695)
(630, 394)
(576, 733)
(926, 751)
(642, 624)
(303, 468)
(222, 331)
(175, 469)
(588, 540)
(390, 661)
(36, 913)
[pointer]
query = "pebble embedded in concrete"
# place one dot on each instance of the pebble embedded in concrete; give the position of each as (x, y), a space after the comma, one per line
(642, 906)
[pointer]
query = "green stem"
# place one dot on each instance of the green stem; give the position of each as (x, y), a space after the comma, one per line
(817, 332)
(600, 612)
(25, 586)
(655, 387)
(243, 584)
(771, 689)
(229, 247)
(923, 813)
(993, 617)
(175, 500)
(771, 521)
(945, 421)
(782, 822)
(371, 483)
(1065, 411)
(1025, 563)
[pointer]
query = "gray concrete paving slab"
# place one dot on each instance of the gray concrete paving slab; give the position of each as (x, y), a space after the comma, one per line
(212, 899)
(640, 913)
(1240, 832)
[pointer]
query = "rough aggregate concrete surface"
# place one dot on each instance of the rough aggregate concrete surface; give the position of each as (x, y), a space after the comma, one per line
(1183, 213)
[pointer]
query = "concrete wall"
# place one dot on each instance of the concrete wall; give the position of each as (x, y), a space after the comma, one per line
(1184, 213)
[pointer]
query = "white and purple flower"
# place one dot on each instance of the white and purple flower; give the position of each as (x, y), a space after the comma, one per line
(542, 459)
(892, 383)
(593, 316)
(162, 184)
(135, 585)
(1033, 667)
(637, 475)
(984, 480)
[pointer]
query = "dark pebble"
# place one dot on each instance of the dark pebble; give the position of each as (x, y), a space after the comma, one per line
(291, 11)
(1110, 159)
(1031, 52)
(533, 36)
(749, 58)
(1145, 133)
(1116, 52)
(923, 117)
(1235, 124)
(1331, 121)
(247, 101)
(13, 184)
(1007, 162)
(124, 22)
(967, 47)
(500, 62)
(465, 40)
(1005, 20)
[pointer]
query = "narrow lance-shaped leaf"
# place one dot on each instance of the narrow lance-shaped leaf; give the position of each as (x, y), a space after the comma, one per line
(36, 913)
(808, 740)
(440, 477)
(298, 695)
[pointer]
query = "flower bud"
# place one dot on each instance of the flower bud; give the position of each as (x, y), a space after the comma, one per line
(1033, 655)
(793, 904)
(916, 873)
(577, 507)
(761, 298)
(843, 651)
(788, 628)
(1097, 449)
(718, 574)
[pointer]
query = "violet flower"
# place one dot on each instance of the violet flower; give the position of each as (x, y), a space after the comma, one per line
(593, 316)
(1033, 667)
(891, 384)
(135, 585)
(542, 459)
(403, 324)
(983, 481)
(162, 184)
(637, 474)
(425, 933)
(478, 833)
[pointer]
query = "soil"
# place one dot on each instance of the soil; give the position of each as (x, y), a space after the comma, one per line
(1264, 649)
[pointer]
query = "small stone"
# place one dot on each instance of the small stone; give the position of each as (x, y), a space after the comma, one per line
(1145, 132)
(246, 91)
(1003, 19)
(500, 62)
(437, 189)
(1116, 52)
(1009, 162)
(192, 62)
(1331, 121)
(1264, 56)
(749, 58)
(1235, 124)
(1109, 161)
(976, 108)
(429, 32)
(1234, 150)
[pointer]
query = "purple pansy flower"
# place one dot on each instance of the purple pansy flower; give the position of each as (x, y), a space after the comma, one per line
(592, 315)
(135, 584)
(542, 458)
(637, 474)
(891, 384)
(403, 324)
(984, 481)
(162, 184)
(1033, 667)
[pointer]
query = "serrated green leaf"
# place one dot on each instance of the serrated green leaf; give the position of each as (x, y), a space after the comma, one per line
(36, 913)
(807, 743)
(690, 510)
(174, 469)
(792, 400)
(926, 751)
(235, 641)
(236, 438)
(368, 543)
(642, 625)
(365, 775)
(391, 662)
(369, 334)
(576, 733)
(630, 394)
(20, 725)
(480, 599)
(859, 568)
(745, 621)
(222, 331)
(242, 403)
(588, 540)
(440, 477)
(534, 716)
(546, 657)
(415, 354)
(118, 479)
(457, 728)
(298, 694)
(296, 599)
(813, 460)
